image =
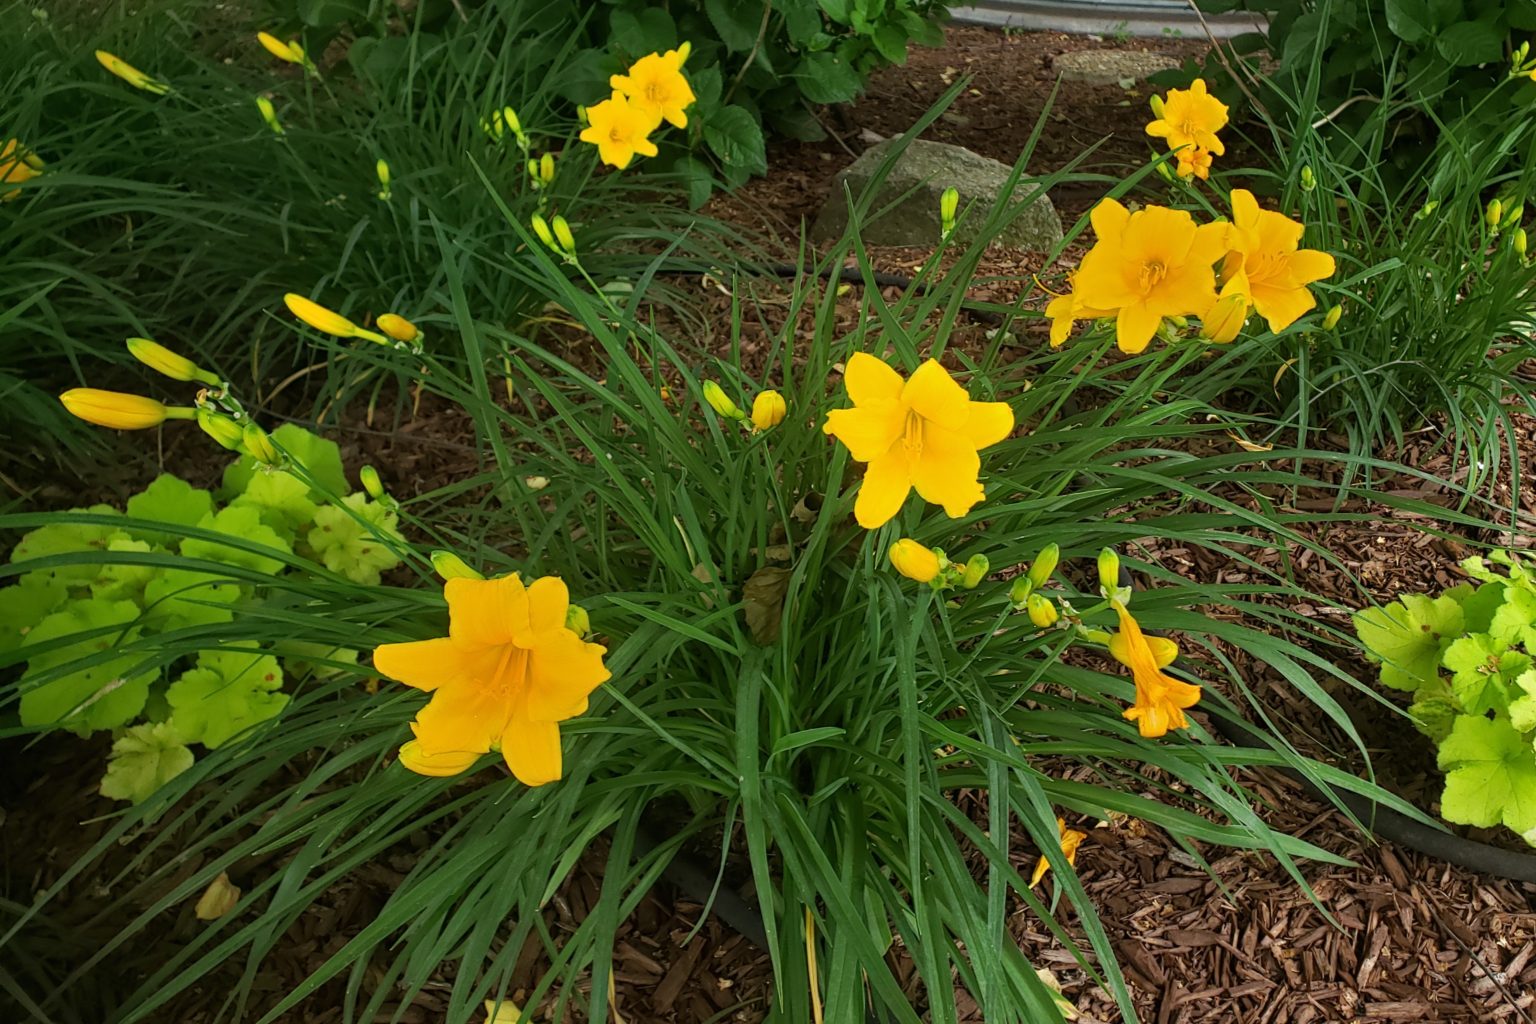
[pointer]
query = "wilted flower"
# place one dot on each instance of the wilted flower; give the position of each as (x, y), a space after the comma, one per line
(1160, 699)
(17, 165)
(1071, 839)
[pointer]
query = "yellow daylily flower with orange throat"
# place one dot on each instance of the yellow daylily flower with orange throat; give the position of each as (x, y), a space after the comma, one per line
(1265, 248)
(619, 130)
(1153, 263)
(1191, 117)
(1160, 698)
(655, 86)
(508, 672)
(921, 433)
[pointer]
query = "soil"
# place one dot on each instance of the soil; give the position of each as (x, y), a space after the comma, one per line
(1409, 939)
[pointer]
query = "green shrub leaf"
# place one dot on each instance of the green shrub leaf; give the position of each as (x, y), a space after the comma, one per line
(1407, 636)
(826, 78)
(143, 759)
(736, 138)
(352, 541)
(1471, 42)
(1490, 774)
(100, 696)
(228, 692)
(169, 499)
(243, 522)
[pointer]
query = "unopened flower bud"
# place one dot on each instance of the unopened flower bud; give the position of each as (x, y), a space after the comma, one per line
(259, 446)
(1513, 213)
(1308, 179)
(1018, 593)
(563, 234)
(162, 360)
(914, 561)
(577, 620)
(382, 170)
(541, 228)
(1109, 570)
(372, 484)
(768, 410)
(1044, 565)
(1331, 318)
(221, 428)
(399, 328)
(1494, 214)
(720, 402)
(269, 115)
(120, 411)
(1042, 612)
(949, 207)
(976, 569)
(1520, 242)
(1156, 103)
(451, 567)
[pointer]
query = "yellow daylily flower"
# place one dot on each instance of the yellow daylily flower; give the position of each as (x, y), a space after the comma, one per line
(1265, 247)
(130, 74)
(1153, 263)
(921, 433)
(1191, 117)
(914, 561)
(1194, 162)
(1071, 839)
(118, 410)
(655, 86)
(768, 410)
(1160, 699)
(322, 319)
(290, 51)
(618, 130)
(17, 164)
(508, 672)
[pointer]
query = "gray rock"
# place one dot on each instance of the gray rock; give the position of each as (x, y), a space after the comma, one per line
(1110, 67)
(926, 169)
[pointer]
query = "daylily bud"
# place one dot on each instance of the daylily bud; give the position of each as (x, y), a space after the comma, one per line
(1520, 242)
(547, 168)
(1225, 318)
(541, 228)
(322, 319)
(1513, 213)
(510, 121)
(1494, 214)
(372, 484)
(1109, 570)
(720, 402)
(1165, 172)
(1308, 179)
(1018, 593)
(118, 410)
(1042, 612)
(269, 115)
(976, 569)
(259, 446)
(1331, 318)
(1156, 103)
(768, 410)
(221, 428)
(290, 51)
(1427, 210)
(577, 620)
(563, 234)
(1044, 565)
(451, 567)
(382, 170)
(535, 483)
(162, 360)
(949, 206)
(914, 561)
(398, 327)
(130, 74)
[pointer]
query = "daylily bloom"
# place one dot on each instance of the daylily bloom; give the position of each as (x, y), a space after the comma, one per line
(768, 410)
(914, 561)
(922, 433)
(118, 410)
(322, 319)
(1194, 161)
(130, 74)
(508, 672)
(1191, 117)
(656, 87)
(1071, 839)
(1264, 245)
(618, 130)
(290, 51)
(1160, 699)
(1153, 263)
(17, 165)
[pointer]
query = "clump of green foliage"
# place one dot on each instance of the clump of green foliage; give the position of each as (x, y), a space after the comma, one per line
(1467, 658)
(110, 589)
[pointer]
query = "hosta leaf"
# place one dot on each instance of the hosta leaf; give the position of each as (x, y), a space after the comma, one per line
(143, 759)
(1407, 636)
(228, 692)
(1490, 774)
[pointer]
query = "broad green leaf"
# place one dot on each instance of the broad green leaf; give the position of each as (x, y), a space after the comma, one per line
(228, 692)
(68, 538)
(281, 499)
(891, 41)
(1433, 711)
(1410, 20)
(331, 13)
(1483, 670)
(119, 581)
(840, 11)
(1407, 636)
(1471, 42)
(1478, 606)
(827, 78)
(243, 522)
(320, 458)
(143, 759)
(177, 598)
(25, 604)
(1514, 621)
(737, 21)
(737, 139)
(100, 696)
(637, 33)
(354, 540)
(1490, 774)
(1522, 710)
(169, 499)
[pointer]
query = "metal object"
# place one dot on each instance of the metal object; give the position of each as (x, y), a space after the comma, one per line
(1159, 18)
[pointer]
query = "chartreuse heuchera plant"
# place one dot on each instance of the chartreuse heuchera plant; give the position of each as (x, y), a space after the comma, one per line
(1466, 656)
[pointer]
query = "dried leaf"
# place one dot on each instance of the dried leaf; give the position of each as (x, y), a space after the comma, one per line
(763, 602)
(218, 899)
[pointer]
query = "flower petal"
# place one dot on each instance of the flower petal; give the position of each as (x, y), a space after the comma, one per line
(532, 751)
(868, 430)
(1308, 265)
(486, 611)
(935, 396)
(1109, 218)
(1281, 307)
(548, 601)
(465, 715)
(453, 762)
(1134, 327)
(945, 473)
(869, 380)
(424, 664)
(884, 490)
(561, 673)
(988, 423)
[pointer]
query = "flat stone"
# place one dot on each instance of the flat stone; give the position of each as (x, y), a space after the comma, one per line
(925, 170)
(1110, 67)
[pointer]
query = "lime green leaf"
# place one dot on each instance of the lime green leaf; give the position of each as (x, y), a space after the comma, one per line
(1483, 669)
(1407, 636)
(308, 658)
(1490, 774)
(1478, 606)
(281, 499)
(143, 759)
(1433, 711)
(321, 459)
(1514, 622)
(170, 499)
(1522, 710)
(95, 697)
(118, 581)
(228, 692)
(243, 522)
(67, 538)
(177, 598)
(26, 604)
(351, 540)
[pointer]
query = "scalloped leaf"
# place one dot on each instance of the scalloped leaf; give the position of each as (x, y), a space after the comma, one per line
(228, 692)
(321, 458)
(1490, 774)
(143, 759)
(119, 581)
(169, 499)
(1483, 671)
(177, 598)
(25, 604)
(350, 540)
(281, 499)
(1407, 636)
(68, 538)
(100, 696)
(243, 522)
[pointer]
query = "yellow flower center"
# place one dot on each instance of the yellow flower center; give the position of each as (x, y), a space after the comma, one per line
(912, 434)
(511, 670)
(615, 135)
(1152, 274)
(655, 92)
(1189, 128)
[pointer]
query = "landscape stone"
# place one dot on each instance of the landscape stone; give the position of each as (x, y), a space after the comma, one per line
(926, 169)
(1110, 67)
